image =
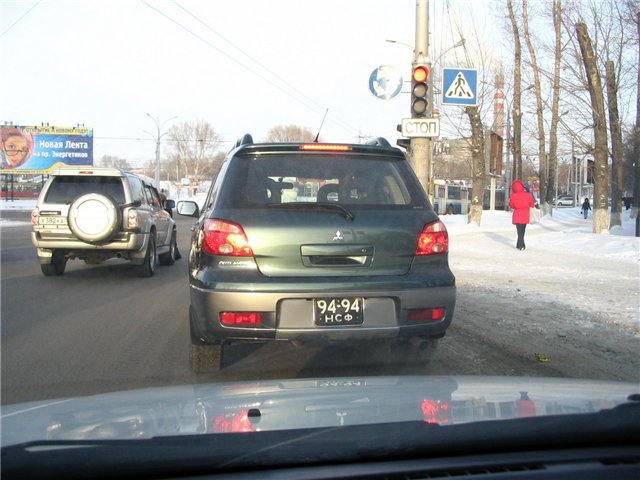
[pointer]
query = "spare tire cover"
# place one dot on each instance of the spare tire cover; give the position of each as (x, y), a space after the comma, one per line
(94, 218)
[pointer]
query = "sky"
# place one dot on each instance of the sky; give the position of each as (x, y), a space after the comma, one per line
(564, 262)
(123, 67)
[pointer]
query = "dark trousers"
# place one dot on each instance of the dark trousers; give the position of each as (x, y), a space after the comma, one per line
(520, 227)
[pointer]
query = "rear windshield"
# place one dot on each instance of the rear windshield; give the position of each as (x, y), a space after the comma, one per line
(65, 189)
(349, 180)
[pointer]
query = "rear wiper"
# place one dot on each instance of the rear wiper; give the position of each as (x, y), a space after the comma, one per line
(314, 206)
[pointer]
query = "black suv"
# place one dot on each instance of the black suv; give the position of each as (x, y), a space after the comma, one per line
(316, 242)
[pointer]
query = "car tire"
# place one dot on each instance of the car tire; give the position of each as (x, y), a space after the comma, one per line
(94, 218)
(148, 267)
(410, 351)
(425, 348)
(169, 258)
(57, 265)
(205, 358)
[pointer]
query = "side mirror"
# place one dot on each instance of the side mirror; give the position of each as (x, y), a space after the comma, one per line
(169, 204)
(188, 208)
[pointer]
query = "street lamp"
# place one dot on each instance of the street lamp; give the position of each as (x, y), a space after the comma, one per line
(157, 137)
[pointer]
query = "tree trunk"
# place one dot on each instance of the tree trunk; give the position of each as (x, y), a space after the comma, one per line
(517, 96)
(636, 146)
(553, 130)
(477, 157)
(617, 177)
(542, 150)
(600, 153)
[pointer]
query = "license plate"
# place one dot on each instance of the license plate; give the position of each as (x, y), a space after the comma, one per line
(338, 312)
(52, 221)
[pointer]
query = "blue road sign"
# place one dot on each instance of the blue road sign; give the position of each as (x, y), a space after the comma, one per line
(460, 86)
(385, 82)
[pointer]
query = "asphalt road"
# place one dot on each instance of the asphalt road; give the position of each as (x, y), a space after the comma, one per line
(100, 328)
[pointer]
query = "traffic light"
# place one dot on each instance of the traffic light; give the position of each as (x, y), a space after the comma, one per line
(419, 91)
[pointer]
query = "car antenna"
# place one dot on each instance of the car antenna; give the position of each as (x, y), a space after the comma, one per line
(321, 124)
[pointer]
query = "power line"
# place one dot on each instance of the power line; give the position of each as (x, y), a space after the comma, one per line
(18, 20)
(305, 100)
(263, 66)
(250, 57)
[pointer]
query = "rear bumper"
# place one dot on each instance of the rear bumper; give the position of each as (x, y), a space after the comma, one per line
(129, 244)
(288, 314)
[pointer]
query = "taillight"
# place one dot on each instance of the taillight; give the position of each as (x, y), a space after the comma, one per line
(225, 238)
(436, 411)
(325, 147)
(241, 319)
(231, 423)
(433, 240)
(34, 216)
(132, 218)
(426, 314)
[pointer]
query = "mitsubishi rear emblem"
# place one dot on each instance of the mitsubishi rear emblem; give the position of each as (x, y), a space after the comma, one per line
(338, 236)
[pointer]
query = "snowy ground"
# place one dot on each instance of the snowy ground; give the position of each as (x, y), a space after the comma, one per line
(564, 265)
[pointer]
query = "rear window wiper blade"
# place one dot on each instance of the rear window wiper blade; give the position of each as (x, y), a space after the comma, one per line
(332, 207)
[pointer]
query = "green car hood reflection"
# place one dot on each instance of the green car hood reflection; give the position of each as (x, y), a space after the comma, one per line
(304, 403)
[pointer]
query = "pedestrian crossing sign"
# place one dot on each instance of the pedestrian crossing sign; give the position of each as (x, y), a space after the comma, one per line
(460, 86)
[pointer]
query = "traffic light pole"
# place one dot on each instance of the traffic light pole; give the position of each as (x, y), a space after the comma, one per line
(420, 147)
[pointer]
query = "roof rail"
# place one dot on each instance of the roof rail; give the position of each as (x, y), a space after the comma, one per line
(246, 139)
(380, 142)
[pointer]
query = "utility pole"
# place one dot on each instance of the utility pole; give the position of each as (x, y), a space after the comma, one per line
(420, 147)
(157, 138)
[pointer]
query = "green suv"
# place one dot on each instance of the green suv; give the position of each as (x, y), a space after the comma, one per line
(95, 214)
(317, 243)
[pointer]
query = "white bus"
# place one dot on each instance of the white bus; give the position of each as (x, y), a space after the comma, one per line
(451, 197)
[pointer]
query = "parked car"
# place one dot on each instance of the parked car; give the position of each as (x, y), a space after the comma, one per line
(317, 242)
(564, 201)
(95, 214)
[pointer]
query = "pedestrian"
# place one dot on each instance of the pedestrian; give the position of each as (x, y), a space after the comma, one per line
(586, 206)
(521, 202)
(167, 206)
(627, 202)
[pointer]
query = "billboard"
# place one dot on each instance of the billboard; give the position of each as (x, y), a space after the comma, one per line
(37, 150)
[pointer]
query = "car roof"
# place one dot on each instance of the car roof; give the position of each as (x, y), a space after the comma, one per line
(88, 170)
(379, 146)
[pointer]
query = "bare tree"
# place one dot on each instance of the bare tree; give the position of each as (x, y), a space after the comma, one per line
(636, 145)
(469, 123)
(617, 147)
(609, 24)
(193, 145)
(477, 156)
(553, 130)
(216, 163)
(517, 95)
(289, 133)
(114, 162)
(542, 149)
(601, 170)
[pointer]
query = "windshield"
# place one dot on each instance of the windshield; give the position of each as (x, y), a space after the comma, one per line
(325, 215)
(66, 189)
(294, 177)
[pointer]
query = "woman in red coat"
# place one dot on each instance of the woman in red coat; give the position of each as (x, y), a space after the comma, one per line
(521, 202)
